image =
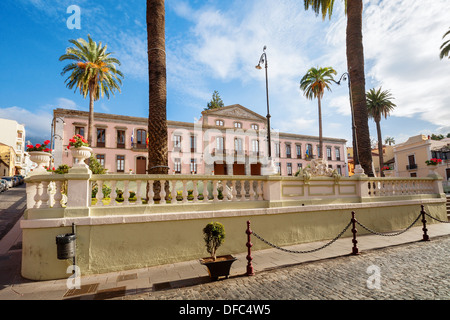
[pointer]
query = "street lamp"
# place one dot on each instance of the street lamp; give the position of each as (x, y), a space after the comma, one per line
(346, 76)
(271, 168)
(54, 135)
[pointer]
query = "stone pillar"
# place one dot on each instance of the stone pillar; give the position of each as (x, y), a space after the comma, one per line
(79, 188)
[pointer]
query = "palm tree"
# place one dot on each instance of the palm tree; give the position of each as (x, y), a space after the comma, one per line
(313, 84)
(389, 140)
(157, 118)
(93, 72)
(445, 48)
(355, 65)
(379, 104)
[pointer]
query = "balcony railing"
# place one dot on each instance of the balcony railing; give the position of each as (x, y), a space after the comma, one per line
(411, 167)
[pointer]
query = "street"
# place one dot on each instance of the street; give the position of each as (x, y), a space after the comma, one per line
(12, 205)
(417, 271)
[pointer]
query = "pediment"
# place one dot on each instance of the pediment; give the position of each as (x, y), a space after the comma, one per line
(237, 112)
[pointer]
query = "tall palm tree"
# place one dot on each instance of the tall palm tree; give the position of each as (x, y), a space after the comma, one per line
(355, 65)
(157, 117)
(313, 84)
(389, 140)
(445, 47)
(93, 72)
(379, 104)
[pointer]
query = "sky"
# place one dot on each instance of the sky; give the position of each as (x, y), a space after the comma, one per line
(215, 45)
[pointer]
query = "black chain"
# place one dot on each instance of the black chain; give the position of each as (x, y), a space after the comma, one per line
(389, 234)
(299, 251)
(436, 218)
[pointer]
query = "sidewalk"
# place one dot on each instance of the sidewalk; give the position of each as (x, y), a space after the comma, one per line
(119, 284)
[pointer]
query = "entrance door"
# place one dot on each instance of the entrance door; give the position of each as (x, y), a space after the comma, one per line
(238, 169)
(255, 169)
(220, 169)
(141, 165)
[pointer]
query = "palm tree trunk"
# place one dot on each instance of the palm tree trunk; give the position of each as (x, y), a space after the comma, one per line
(91, 116)
(380, 147)
(320, 128)
(355, 62)
(157, 118)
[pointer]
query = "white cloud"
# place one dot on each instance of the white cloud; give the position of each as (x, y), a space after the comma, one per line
(37, 123)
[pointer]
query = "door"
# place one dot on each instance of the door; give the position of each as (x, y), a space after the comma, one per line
(238, 169)
(255, 169)
(141, 165)
(220, 169)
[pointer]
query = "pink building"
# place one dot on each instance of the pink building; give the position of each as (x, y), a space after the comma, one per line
(226, 141)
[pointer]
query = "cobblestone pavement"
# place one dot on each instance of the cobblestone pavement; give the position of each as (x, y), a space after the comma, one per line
(419, 270)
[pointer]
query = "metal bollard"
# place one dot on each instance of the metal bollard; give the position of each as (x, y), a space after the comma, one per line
(424, 221)
(250, 271)
(355, 250)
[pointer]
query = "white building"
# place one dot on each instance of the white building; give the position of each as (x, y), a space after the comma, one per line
(13, 134)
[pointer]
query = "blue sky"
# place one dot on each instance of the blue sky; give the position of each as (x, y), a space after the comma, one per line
(215, 45)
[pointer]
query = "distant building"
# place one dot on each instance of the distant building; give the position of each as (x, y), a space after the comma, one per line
(388, 158)
(227, 141)
(411, 155)
(12, 134)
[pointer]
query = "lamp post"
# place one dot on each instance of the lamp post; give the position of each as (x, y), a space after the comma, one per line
(54, 135)
(346, 76)
(263, 60)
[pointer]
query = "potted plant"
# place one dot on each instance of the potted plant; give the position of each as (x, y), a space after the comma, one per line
(432, 165)
(387, 171)
(214, 236)
(80, 150)
(40, 154)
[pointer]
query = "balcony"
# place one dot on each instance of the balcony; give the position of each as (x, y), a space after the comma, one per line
(411, 166)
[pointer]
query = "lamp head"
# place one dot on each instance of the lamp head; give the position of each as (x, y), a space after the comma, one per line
(258, 67)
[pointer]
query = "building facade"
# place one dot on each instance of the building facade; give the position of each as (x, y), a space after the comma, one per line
(411, 155)
(227, 141)
(12, 134)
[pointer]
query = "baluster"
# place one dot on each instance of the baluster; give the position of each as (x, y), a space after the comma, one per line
(31, 194)
(45, 196)
(215, 192)
(205, 191)
(37, 196)
(58, 195)
(225, 191)
(151, 193)
(113, 193)
(174, 192)
(99, 196)
(243, 190)
(195, 191)
(234, 191)
(261, 190)
(126, 194)
(138, 192)
(162, 193)
(251, 190)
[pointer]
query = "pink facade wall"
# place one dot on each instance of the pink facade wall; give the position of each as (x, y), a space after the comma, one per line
(206, 151)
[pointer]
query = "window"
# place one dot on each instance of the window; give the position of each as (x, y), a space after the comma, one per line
(318, 150)
(298, 149)
(219, 143)
(277, 150)
(194, 166)
(338, 154)
(289, 169)
(80, 131)
(193, 143)
(177, 143)
(120, 139)
(19, 134)
(120, 160)
(255, 146)
(329, 153)
(177, 165)
(309, 151)
(279, 168)
(412, 163)
(339, 169)
(238, 125)
(101, 135)
(238, 145)
(299, 166)
(141, 139)
(219, 123)
(101, 159)
(255, 127)
(288, 150)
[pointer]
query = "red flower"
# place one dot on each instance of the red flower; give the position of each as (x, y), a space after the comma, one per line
(30, 146)
(68, 147)
(46, 141)
(47, 150)
(38, 145)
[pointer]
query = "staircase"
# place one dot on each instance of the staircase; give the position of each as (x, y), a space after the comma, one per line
(448, 207)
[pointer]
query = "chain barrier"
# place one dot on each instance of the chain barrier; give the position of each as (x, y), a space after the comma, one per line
(389, 234)
(300, 251)
(436, 218)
